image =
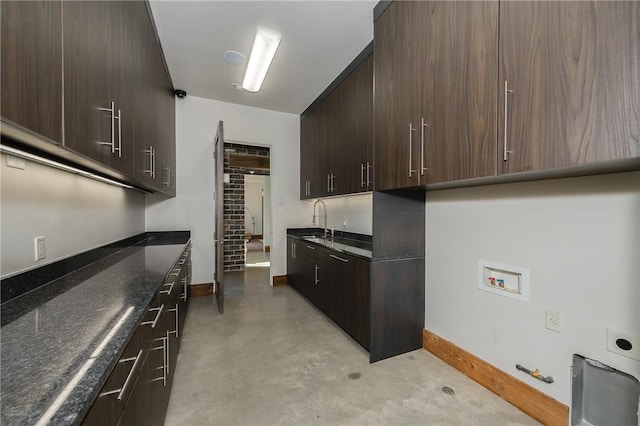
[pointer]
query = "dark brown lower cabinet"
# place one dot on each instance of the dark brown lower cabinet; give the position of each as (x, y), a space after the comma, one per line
(138, 388)
(336, 283)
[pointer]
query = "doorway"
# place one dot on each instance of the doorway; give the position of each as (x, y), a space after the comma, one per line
(247, 218)
(257, 220)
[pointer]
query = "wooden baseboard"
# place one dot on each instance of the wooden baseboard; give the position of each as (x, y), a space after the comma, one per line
(538, 405)
(197, 290)
(279, 280)
(267, 249)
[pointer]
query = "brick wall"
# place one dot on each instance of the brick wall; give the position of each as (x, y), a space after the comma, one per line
(234, 206)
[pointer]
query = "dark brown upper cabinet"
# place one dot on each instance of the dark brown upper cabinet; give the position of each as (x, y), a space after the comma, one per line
(31, 76)
(336, 138)
(90, 92)
(434, 109)
(116, 99)
(571, 71)
(557, 88)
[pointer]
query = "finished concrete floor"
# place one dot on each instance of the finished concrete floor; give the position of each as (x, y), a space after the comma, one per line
(273, 358)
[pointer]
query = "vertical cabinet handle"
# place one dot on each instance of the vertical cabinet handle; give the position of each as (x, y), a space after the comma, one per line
(506, 103)
(328, 182)
(316, 278)
(165, 356)
(152, 161)
(177, 322)
(119, 148)
(411, 130)
(368, 173)
(362, 175)
(184, 295)
(168, 174)
(112, 110)
(422, 167)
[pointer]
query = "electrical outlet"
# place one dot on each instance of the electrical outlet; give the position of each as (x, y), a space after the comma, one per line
(552, 320)
(40, 252)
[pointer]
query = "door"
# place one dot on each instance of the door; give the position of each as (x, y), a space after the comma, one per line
(218, 237)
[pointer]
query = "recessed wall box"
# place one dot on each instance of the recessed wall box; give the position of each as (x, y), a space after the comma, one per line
(505, 280)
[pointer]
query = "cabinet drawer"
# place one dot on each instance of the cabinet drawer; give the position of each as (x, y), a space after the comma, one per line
(116, 391)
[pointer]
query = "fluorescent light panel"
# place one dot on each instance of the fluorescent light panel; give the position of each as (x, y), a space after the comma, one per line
(264, 48)
(36, 158)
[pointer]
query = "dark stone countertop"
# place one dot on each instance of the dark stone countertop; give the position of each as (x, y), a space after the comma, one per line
(61, 341)
(358, 245)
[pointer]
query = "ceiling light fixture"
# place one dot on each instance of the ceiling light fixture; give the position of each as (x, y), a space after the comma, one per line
(264, 48)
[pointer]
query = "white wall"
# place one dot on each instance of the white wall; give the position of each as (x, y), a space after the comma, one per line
(73, 213)
(193, 208)
(579, 237)
(357, 210)
(253, 186)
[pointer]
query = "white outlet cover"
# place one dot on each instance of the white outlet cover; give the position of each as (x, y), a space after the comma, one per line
(553, 320)
(40, 248)
(616, 342)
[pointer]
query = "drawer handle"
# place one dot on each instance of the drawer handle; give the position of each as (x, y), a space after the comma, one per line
(311, 248)
(170, 288)
(155, 321)
(165, 367)
(339, 258)
(177, 321)
(175, 272)
(127, 381)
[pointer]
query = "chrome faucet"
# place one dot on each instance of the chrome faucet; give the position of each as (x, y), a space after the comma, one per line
(325, 216)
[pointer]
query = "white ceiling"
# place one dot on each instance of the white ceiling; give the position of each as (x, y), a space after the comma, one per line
(319, 39)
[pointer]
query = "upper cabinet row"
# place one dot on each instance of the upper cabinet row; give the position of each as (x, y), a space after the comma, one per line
(90, 77)
(336, 139)
(457, 99)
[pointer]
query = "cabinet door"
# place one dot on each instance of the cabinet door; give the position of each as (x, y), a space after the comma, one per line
(125, 67)
(459, 64)
(313, 270)
(89, 64)
(337, 287)
(571, 70)
(305, 156)
(31, 46)
(358, 106)
(145, 130)
(396, 112)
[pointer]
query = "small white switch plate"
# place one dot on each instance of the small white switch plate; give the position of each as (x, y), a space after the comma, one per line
(40, 247)
(623, 344)
(552, 320)
(15, 162)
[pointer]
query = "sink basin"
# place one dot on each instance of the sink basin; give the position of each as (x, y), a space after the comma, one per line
(315, 239)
